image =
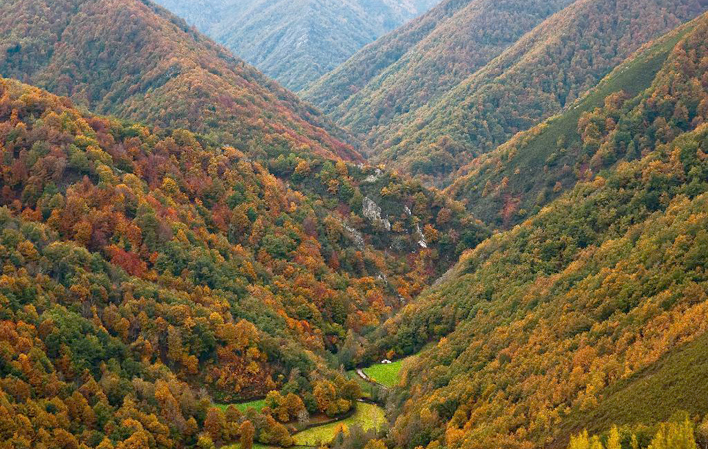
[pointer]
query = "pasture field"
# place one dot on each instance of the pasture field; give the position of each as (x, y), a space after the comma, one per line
(385, 374)
(368, 416)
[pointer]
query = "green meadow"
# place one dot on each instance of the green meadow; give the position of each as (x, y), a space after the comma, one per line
(368, 416)
(385, 374)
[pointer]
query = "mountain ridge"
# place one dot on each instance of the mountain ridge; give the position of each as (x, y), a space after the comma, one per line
(525, 339)
(154, 68)
(553, 143)
(535, 75)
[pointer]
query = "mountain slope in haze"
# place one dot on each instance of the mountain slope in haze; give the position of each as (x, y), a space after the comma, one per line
(147, 275)
(549, 327)
(421, 61)
(135, 60)
(296, 42)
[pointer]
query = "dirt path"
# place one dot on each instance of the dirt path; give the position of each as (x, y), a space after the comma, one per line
(362, 374)
(366, 377)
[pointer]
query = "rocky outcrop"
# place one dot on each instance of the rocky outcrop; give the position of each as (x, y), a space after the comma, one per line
(372, 211)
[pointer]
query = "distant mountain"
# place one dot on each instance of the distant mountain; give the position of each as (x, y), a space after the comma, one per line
(419, 62)
(593, 311)
(135, 60)
(296, 41)
(535, 75)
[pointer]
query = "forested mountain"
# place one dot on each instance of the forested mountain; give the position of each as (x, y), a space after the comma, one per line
(171, 76)
(539, 74)
(593, 311)
(518, 178)
(418, 63)
(178, 234)
(135, 60)
(148, 273)
(296, 41)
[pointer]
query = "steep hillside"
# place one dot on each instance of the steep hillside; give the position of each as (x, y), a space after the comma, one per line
(338, 86)
(419, 63)
(146, 274)
(536, 78)
(533, 168)
(542, 329)
(135, 60)
(296, 42)
(676, 382)
(438, 99)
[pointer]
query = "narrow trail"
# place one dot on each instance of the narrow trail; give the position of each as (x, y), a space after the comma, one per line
(360, 372)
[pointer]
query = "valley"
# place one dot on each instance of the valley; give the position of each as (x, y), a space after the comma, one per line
(296, 41)
(368, 416)
(410, 224)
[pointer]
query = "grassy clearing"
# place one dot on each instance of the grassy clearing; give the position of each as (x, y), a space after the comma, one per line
(386, 375)
(368, 416)
(243, 406)
(255, 446)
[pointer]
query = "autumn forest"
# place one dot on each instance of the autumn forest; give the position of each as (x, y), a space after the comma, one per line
(402, 224)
